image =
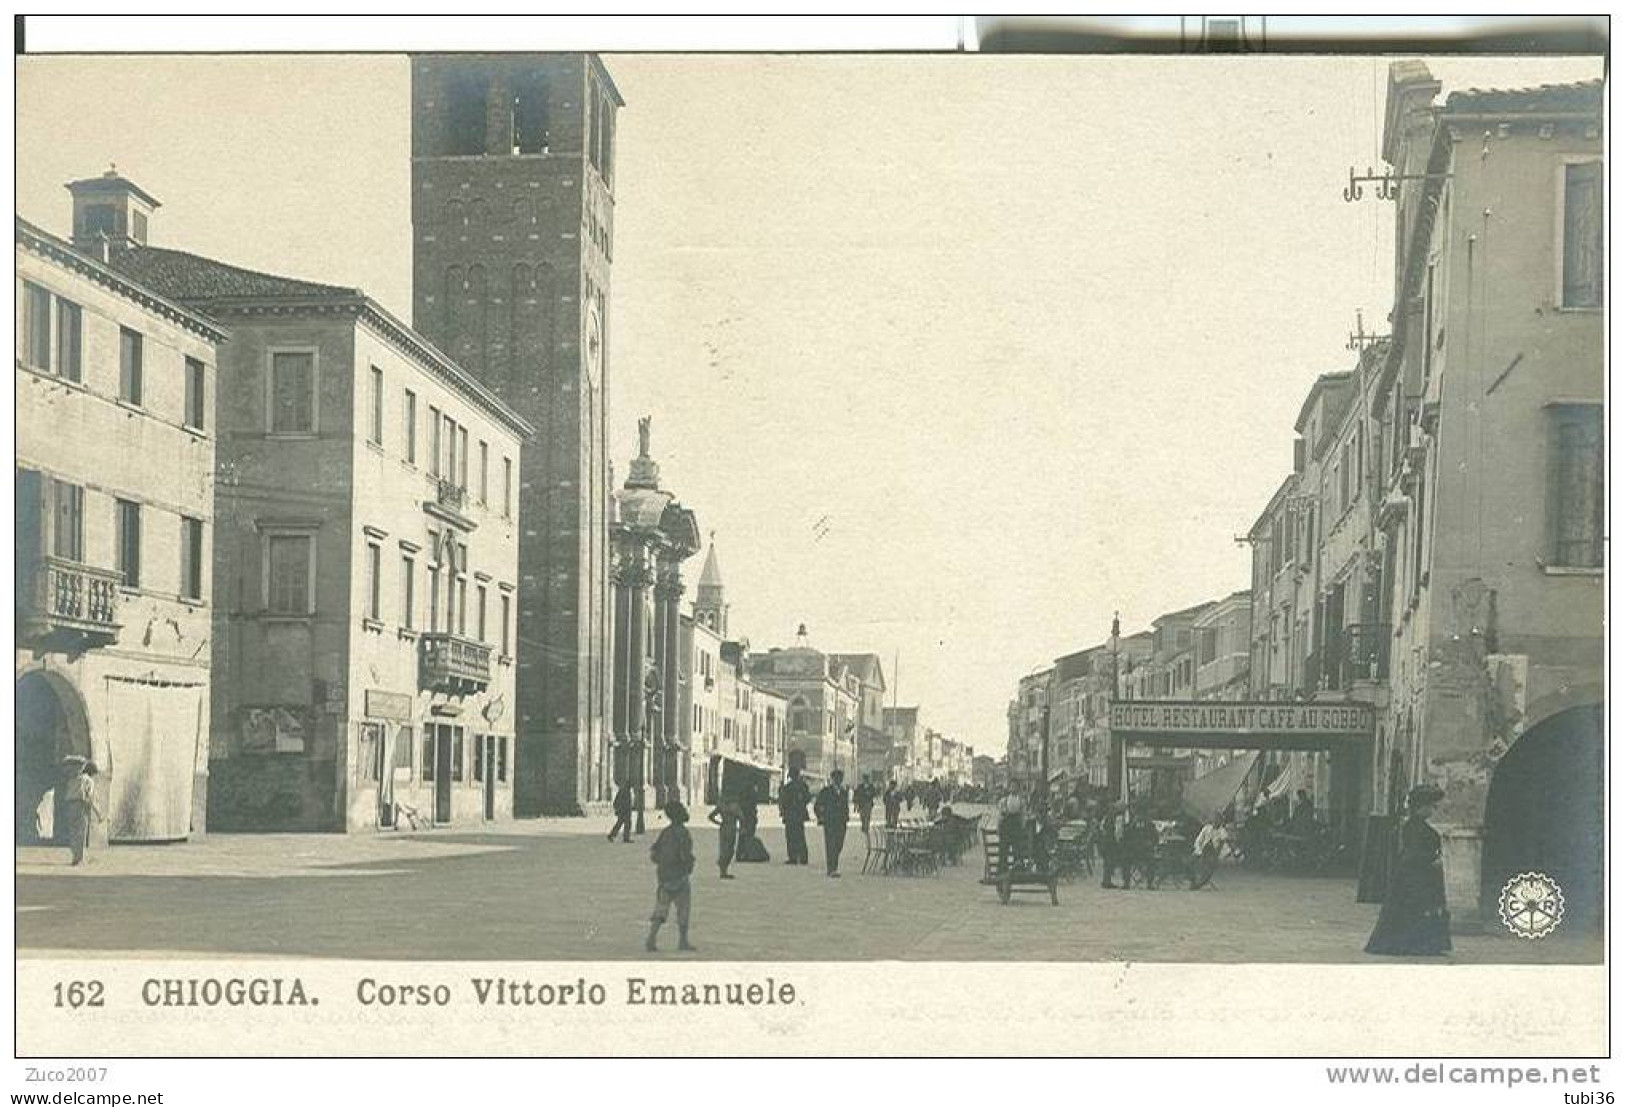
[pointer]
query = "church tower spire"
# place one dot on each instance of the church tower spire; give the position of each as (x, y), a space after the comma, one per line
(710, 607)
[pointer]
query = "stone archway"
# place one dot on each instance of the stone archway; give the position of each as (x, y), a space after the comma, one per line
(51, 725)
(1545, 812)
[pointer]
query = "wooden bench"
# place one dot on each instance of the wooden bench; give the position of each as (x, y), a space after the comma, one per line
(1021, 876)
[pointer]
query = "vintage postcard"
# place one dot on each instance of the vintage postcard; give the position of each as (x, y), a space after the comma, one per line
(554, 552)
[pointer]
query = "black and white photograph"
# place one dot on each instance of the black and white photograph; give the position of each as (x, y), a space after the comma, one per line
(523, 548)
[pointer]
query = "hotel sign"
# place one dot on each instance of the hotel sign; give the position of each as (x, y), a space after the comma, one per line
(1242, 719)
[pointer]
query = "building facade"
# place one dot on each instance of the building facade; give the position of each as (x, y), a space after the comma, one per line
(821, 700)
(1489, 462)
(366, 548)
(513, 204)
(116, 440)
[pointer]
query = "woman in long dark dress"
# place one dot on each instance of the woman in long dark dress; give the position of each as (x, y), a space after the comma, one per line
(1414, 921)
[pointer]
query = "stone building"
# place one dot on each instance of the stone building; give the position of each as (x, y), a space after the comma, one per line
(115, 528)
(513, 199)
(652, 535)
(366, 548)
(1028, 719)
(1489, 461)
(822, 704)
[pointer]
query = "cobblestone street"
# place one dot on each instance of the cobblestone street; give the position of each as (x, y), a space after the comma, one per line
(555, 890)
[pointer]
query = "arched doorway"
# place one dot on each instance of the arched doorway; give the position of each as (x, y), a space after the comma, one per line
(1545, 813)
(51, 724)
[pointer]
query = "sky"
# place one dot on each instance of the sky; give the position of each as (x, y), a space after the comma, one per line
(954, 355)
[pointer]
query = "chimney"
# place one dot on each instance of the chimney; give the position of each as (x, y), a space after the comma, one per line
(110, 213)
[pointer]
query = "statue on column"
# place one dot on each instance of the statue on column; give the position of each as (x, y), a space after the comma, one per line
(643, 435)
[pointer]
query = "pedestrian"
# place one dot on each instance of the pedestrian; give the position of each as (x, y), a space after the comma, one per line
(80, 793)
(1012, 811)
(726, 815)
(1110, 844)
(893, 802)
(1139, 849)
(673, 856)
(1414, 920)
(750, 848)
(863, 796)
(793, 800)
(623, 813)
(833, 809)
(1205, 851)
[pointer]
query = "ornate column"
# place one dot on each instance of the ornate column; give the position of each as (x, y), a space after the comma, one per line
(668, 595)
(636, 578)
(619, 762)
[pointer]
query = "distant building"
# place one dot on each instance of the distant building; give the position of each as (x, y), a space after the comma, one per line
(367, 552)
(115, 529)
(822, 698)
(1027, 720)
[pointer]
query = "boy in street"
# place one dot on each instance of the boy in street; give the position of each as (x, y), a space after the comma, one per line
(673, 855)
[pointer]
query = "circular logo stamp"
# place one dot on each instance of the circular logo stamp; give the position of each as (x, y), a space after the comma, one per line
(1531, 905)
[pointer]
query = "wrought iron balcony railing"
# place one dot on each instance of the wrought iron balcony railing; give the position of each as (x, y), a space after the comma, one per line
(453, 664)
(68, 600)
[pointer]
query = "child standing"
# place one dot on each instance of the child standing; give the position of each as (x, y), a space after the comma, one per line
(673, 855)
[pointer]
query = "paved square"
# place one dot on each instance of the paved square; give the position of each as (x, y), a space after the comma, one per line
(556, 890)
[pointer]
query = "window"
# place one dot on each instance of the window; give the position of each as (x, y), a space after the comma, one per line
(462, 458)
(195, 386)
(434, 440)
(529, 133)
(408, 574)
(129, 542)
(293, 393)
(411, 428)
(69, 339)
(403, 749)
(191, 558)
(1575, 495)
(434, 597)
(479, 758)
(485, 472)
(377, 435)
(129, 366)
(502, 758)
(100, 219)
(479, 596)
(36, 327)
(465, 114)
(287, 574)
(372, 747)
(427, 759)
(457, 753)
(507, 488)
(375, 571)
(1582, 235)
(67, 520)
(507, 607)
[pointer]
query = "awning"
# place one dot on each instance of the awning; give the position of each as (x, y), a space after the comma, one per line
(1208, 795)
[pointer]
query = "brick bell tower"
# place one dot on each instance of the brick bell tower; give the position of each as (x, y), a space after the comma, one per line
(513, 204)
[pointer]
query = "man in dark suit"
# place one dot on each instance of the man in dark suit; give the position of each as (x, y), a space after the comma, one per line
(834, 809)
(793, 800)
(623, 813)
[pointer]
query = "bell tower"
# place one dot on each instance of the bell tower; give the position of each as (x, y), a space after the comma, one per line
(513, 197)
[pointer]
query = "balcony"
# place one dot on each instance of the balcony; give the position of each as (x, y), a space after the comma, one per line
(453, 664)
(69, 606)
(1358, 653)
(450, 504)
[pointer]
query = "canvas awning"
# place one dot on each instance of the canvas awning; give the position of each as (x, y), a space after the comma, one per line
(1207, 795)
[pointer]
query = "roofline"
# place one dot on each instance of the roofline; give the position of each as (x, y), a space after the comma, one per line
(65, 253)
(403, 337)
(603, 71)
(1269, 506)
(115, 183)
(1324, 381)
